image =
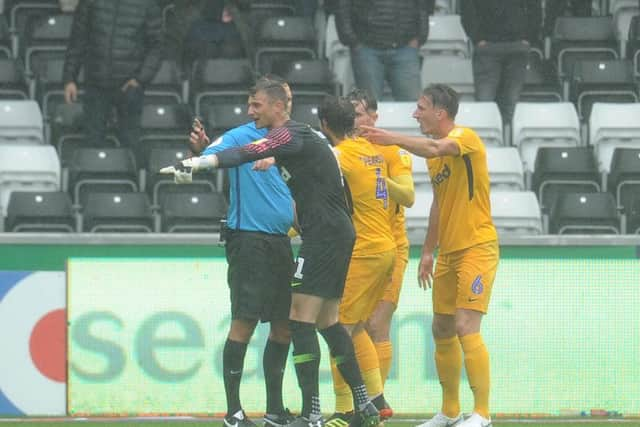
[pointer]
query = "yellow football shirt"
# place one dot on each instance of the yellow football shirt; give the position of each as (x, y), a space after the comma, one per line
(461, 188)
(364, 171)
(398, 163)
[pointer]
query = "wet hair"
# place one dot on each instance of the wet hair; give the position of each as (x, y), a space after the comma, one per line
(272, 87)
(339, 114)
(443, 96)
(364, 97)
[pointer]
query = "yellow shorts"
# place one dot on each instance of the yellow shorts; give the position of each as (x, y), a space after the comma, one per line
(463, 279)
(367, 279)
(392, 292)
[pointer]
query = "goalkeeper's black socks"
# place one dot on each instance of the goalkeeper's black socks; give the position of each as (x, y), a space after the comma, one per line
(306, 357)
(274, 360)
(341, 347)
(232, 364)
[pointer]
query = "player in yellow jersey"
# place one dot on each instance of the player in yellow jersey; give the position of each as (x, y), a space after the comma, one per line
(401, 195)
(460, 226)
(365, 175)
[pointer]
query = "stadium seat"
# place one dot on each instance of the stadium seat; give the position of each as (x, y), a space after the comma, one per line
(21, 122)
(484, 118)
(306, 113)
(623, 180)
(454, 71)
(633, 216)
(164, 125)
(20, 11)
(538, 125)
(584, 213)
(38, 211)
(333, 48)
(219, 81)
(310, 79)
(505, 169)
(166, 86)
(13, 84)
(50, 86)
(158, 185)
(106, 170)
(284, 38)
(27, 168)
(117, 213)
(446, 37)
(47, 38)
(541, 82)
(561, 170)
(221, 117)
(192, 212)
(613, 126)
(398, 117)
(259, 11)
(7, 44)
(516, 213)
(417, 216)
(577, 38)
(602, 81)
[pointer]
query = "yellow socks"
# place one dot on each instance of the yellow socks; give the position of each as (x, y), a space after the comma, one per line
(385, 355)
(476, 362)
(449, 365)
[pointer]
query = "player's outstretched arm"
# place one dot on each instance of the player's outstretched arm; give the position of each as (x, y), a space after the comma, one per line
(183, 170)
(418, 145)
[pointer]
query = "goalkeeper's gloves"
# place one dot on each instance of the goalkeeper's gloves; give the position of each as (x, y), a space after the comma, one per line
(182, 171)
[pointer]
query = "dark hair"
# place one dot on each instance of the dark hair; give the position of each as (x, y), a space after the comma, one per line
(338, 114)
(271, 87)
(444, 97)
(363, 97)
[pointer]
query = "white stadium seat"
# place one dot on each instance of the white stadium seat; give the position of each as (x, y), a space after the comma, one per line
(484, 118)
(516, 212)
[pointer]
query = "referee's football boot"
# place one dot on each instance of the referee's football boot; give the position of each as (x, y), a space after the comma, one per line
(278, 420)
(366, 417)
(306, 422)
(441, 420)
(239, 419)
(339, 419)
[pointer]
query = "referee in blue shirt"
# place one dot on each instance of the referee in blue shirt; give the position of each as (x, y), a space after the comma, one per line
(260, 265)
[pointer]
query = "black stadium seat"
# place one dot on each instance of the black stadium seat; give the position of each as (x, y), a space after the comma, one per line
(602, 81)
(577, 38)
(566, 169)
(13, 84)
(584, 213)
(310, 79)
(284, 38)
(40, 212)
(101, 170)
(623, 180)
(117, 212)
(219, 81)
(192, 212)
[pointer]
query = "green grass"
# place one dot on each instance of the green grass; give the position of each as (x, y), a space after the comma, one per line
(64, 422)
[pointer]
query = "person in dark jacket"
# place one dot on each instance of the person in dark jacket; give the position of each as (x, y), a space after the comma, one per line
(502, 33)
(119, 45)
(384, 37)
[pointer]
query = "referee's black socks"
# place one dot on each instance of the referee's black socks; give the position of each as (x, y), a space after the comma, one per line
(274, 360)
(232, 365)
(341, 347)
(306, 357)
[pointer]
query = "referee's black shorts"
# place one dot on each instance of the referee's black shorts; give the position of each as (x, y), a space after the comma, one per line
(259, 275)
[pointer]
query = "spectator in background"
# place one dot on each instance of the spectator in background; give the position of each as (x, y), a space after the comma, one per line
(502, 33)
(384, 37)
(208, 29)
(119, 44)
(556, 8)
